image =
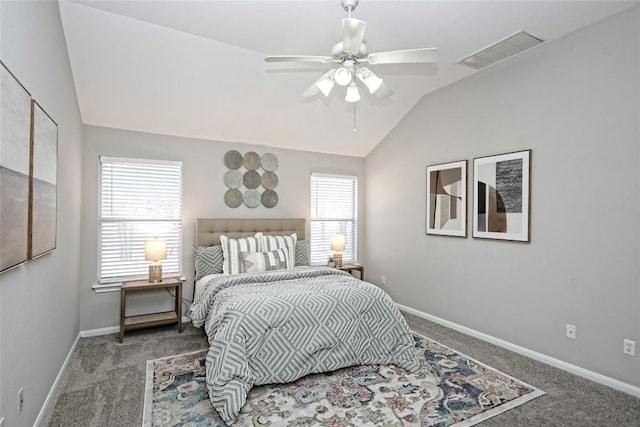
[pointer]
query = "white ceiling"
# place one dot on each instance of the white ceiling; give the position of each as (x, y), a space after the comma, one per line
(196, 68)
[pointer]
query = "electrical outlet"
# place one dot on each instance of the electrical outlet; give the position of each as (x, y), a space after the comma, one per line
(629, 347)
(20, 399)
(571, 331)
(383, 280)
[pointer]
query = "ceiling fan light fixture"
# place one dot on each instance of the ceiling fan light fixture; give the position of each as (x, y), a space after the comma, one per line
(343, 76)
(370, 80)
(352, 93)
(325, 85)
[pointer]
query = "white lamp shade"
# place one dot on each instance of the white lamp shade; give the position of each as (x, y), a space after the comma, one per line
(325, 85)
(352, 93)
(155, 250)
(343, 76)
(367, 77)
(338, 242)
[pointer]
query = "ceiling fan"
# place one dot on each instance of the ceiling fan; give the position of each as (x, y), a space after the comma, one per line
(351, 54)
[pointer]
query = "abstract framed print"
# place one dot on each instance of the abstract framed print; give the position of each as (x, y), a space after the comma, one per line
(15, 119)
(446, 213)
(502, 196)
(43, 184)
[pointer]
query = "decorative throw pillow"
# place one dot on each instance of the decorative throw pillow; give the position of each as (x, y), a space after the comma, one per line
(270, 243)
(208, 260)
(252, 262)
(231, 249)
(302, 253)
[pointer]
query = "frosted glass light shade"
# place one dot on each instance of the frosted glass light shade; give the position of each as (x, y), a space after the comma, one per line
(325, 85)
(352, 93)
(343, 76)
(367, 77)
(155, 250)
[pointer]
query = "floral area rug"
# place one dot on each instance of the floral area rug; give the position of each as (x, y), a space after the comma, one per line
(450, 390)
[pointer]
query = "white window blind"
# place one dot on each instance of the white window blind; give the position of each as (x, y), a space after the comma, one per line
(333, 210)
(139, 200)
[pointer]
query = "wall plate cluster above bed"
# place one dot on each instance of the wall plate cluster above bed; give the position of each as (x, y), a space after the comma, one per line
(244, 179)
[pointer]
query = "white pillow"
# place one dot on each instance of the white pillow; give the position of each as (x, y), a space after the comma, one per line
(231, 249)
(252, 262)
(271, 243)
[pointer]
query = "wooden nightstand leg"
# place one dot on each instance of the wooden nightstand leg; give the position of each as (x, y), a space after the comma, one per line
(123, 303)
(179, 306)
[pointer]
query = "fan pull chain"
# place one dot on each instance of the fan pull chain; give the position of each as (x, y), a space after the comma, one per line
(354, 117)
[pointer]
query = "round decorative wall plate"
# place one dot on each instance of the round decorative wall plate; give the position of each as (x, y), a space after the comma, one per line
(269, 198)
(251, 161)
(232, 178)
(233, 159)
(269, 162)
(233, 198)
(251, 180)
(243, 174)
(269, 180)
(252, 198)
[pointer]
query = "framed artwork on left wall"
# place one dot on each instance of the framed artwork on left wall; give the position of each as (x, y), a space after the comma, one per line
(15, 114)
(446, 212)
(43, 184)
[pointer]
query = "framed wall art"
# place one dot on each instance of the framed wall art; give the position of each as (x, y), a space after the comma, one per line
(446, 212)
(251, 179)
(502, 196)
(43, 184)
(15, 117)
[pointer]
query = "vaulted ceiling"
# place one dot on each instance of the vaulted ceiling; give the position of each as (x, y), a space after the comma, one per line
(196, 68)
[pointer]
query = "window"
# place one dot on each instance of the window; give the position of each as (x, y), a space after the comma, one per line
(139, 200)
(333, 210)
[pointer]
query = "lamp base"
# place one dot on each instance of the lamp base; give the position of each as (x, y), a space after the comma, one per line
(155, 273)
(338, 259)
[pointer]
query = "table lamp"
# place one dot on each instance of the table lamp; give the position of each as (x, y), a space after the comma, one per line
(154, 251)
(338, 242)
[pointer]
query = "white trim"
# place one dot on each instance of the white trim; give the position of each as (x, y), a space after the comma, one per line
(109, 159)
(43, 409)
(113, 330)
(548, 360)
(100, 331)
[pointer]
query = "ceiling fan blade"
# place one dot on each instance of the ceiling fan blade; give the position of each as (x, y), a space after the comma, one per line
(298, 58)
(384, 91)
(312, 91)
(352, 34)
(407, 56)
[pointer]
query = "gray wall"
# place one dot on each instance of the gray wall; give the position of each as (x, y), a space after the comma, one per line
(40, 300)
(575, 102)
(203, 191)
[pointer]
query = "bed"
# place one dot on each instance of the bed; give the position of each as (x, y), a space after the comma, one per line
(275, 325)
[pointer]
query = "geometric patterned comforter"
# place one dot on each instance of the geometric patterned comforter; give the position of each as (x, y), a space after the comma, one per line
(278, 326)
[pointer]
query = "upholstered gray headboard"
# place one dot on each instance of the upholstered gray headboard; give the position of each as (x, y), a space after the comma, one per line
(209, 230)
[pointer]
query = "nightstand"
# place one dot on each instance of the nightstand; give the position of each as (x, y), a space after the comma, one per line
(128, 323)
(350, 268)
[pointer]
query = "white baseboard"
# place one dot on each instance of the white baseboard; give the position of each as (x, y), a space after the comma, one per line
(45, 405)
(113, 330)
(576, 370)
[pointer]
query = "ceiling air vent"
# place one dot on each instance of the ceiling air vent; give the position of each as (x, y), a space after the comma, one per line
(501, 50)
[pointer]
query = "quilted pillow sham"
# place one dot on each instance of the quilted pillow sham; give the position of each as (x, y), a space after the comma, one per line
(208, 260)
(270, 243)
(302, 253)
(253, 262)
(231, 249)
